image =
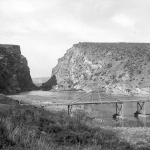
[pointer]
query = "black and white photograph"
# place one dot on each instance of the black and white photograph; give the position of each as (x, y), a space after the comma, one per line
(74, 74)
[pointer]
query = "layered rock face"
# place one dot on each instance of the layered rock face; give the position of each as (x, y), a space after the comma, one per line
(115, 67)
(14, 71)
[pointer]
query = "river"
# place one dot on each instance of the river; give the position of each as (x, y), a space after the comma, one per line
(104, 111)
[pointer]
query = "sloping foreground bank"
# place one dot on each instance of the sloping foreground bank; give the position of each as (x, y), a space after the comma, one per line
(25, 127)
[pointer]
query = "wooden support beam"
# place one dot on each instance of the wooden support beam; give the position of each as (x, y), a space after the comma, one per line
(69, 109)
(119, 110)
(137, 107)
(98, 102)
(116, 108)
(140, 109)
(122, 109)
(144, 113)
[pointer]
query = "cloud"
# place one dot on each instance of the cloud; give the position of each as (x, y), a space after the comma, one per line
(45, 29)
(69, 26)
(123, 20)
(22, 6)
(14, 29)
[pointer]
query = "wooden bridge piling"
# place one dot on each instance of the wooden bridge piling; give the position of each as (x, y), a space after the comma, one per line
(119, 110)
(140, 110)
(119, 106)
(69, 109)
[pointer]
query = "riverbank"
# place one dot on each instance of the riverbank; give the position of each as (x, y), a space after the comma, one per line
(35, 128)
(96, 112)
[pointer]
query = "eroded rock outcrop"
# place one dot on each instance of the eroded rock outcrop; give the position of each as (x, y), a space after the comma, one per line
(115, 67)
(14, 71)
(50, 83)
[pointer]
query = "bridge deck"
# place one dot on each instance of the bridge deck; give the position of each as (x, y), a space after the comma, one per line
(98, 102)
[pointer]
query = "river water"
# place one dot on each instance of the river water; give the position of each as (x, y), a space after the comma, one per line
(105, 111)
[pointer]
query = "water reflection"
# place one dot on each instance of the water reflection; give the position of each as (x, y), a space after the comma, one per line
(104, 111)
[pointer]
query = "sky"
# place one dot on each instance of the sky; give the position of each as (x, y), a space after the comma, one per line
(45, 29)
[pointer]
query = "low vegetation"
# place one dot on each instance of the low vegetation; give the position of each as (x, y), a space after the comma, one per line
(116, 67)
(25, 127)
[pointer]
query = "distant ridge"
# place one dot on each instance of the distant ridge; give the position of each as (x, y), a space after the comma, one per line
(39, 80)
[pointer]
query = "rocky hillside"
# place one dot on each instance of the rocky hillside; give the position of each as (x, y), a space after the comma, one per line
(38, 81)
(49, 84)
(14, 70)
(115, 67)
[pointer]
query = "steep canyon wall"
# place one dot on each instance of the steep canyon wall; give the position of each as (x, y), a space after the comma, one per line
(14, 70)
(114, 67)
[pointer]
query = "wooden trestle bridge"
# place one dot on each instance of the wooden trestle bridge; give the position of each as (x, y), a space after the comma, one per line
(107, 99)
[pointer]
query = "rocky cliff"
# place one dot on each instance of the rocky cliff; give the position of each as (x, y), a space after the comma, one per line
(49, 84)
(14, 71)
(115, 67)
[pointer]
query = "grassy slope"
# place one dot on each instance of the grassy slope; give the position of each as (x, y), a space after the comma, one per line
(32, 128)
